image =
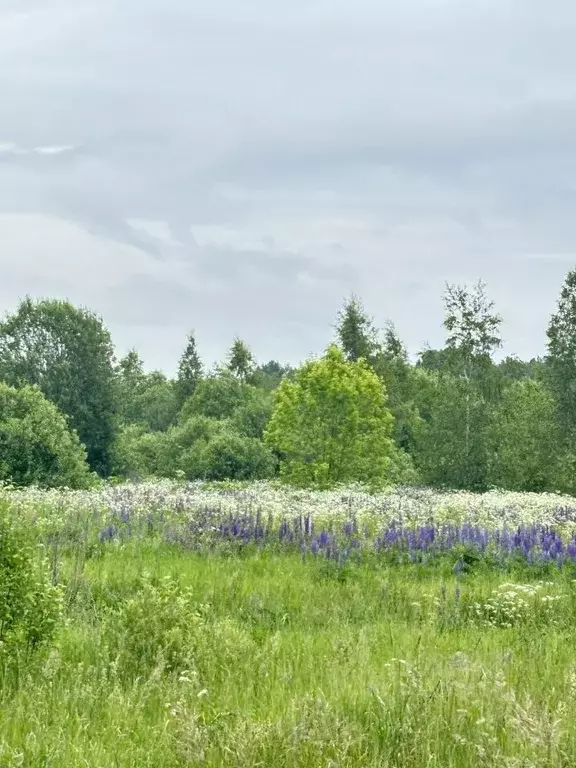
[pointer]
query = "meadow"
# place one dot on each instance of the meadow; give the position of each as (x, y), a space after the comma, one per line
(260, 626)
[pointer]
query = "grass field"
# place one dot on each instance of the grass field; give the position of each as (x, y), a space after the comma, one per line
(219, 649)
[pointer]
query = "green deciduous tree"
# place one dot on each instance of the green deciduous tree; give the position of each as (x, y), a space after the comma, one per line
(218, 396)
(240, 360)
(230, 456)
(253, 414)
(561, 358)
(144, 398)
(331, 424)
(525, 439)
(269, 375)
(451, 443)
(355, 330)
(36, 446)
(472, 325)
(67, 352)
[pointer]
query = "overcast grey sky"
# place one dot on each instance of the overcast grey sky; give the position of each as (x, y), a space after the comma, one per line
(240, 167)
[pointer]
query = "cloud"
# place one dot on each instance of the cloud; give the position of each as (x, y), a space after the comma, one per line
(243, 167)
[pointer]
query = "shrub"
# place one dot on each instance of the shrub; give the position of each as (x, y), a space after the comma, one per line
(36, 446)
(157, 626)
(230, 456)
(30, 605)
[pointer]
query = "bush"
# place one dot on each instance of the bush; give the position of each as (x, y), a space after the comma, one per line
(230, 456)
(137, 452)
(30, 605)
(36, 446)
(155, 627)
(202, 448)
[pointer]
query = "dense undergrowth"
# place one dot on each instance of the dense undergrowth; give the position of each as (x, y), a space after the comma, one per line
(251, 653)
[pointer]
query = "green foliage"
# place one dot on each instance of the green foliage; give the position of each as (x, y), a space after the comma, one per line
(171, 659)
(391, 364)
(240, 360)
(200, 448)
(183, 451)
(36, 446)
(269, 375)
(513, 369)
(525, 439)
(472, 325)
(229, 456)
(67, 352)
(155, 627)
(30, 605)
(561, 358)
(451, 446)
(155, 403)
(189, 370)
(138, 453)
(251, 418)
(331, 424)
(356, 332)
(218, 397)
(149, 399)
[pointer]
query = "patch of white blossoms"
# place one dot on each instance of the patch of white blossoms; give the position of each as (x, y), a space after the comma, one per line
(394, 506)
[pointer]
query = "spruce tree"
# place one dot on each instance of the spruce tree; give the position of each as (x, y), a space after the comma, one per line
(189, 370)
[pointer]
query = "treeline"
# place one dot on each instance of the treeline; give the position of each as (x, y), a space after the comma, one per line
(455, 418)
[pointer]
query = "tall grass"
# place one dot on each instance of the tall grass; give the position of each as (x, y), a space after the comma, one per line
(169, 658)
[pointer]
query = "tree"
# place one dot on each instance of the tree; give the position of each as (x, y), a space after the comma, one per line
(36, 446)
(131, 369)
(473, 327)
(269, 375)
(189, 370)
(217, 396)
(391, 364)
(561, 358)
(473, 335)
(331, 424)
(240, 360)
(67, 352)
(143, 398)
(525, 439)
(451, 448)
(513, 369)
(252, 416)
(356, 332)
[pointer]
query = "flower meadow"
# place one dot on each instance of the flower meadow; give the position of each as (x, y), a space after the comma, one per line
(409, 524)
(259, 625)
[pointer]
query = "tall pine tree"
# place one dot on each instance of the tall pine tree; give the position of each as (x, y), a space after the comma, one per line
(189, 370)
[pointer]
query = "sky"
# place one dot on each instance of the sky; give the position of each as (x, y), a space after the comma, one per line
(240, 168)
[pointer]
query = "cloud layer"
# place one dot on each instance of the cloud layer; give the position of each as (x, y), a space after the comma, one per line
(241, 167)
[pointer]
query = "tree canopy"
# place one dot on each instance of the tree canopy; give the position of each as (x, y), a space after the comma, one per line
(67, 352)
(331, 424)
(36, 446)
